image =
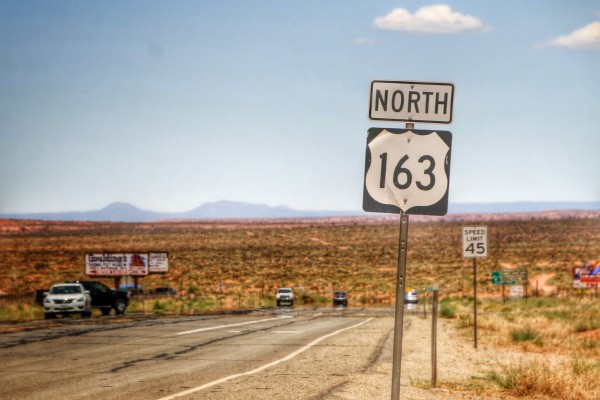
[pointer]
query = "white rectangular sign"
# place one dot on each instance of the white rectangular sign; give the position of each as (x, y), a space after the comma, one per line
(474, 241)
(411, 101)
(517, 292)
(158, 262)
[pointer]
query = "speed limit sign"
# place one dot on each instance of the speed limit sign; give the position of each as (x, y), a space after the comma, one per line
(407, 170)
(474, 243)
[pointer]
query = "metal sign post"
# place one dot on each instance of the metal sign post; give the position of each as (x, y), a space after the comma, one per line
(474, 246)
(399, 315)
(474, 302)
(434, 318)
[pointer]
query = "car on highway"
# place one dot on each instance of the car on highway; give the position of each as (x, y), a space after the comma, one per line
(67, 298)
(165, 290)
(105, 298)
(340, 298)
(285, 296)
(411, 296)
(132, 289)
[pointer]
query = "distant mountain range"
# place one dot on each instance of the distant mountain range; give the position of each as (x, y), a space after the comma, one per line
(125, 212)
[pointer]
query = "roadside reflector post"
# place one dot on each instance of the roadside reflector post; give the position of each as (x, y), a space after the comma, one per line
(399, 315)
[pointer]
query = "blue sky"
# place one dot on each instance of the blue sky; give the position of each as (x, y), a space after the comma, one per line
(168, 105)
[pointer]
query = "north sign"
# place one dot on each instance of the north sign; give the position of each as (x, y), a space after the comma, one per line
(411, 101)
(407, 170)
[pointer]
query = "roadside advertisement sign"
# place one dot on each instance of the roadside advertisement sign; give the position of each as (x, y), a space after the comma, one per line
(158, 262)
(586, 276)
(116, 264)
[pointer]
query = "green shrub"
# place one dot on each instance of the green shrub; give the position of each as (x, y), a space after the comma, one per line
(524, 335)
(448, 310)
(159, 307)
(465, 321)
(589, 324)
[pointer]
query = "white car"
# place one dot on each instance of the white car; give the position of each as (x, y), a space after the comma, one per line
(67, 298)
(411, 297)
(284, 296)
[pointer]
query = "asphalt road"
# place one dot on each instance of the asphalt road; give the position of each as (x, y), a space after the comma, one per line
(299, 353)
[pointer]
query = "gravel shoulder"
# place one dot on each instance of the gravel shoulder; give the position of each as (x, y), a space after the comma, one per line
(358, 365)
(457, 363)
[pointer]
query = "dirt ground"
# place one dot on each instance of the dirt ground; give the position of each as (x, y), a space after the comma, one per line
(460, 367)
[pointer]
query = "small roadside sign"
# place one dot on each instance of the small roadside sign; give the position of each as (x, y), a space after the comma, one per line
(515, 275)
(474, 241)
(496, 278)
(517, 292)
(411, 101)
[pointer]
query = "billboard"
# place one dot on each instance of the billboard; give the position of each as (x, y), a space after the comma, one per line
(158, 262)
(116, 264)
(586, 276)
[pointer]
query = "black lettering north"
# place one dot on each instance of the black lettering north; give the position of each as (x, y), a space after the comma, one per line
(413, 99)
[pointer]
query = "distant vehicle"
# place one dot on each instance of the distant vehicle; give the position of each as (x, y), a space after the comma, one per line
(166, 290)
(39, 296)
(340, 298)
(132, 289)
(411, 297)
(285, 296)
(67, 298)
(106, 298)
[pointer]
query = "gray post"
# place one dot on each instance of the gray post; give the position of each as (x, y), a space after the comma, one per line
(434, 318)
(399, 317)
(475, 301)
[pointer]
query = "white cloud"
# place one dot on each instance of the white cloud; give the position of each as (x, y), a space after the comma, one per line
(364, 41)
(437, 19)
(587, 37)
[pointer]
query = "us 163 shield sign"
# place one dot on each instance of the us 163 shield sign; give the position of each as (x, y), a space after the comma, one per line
(407, 170)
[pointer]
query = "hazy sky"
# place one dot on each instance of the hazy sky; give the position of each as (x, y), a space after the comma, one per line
(171, 104)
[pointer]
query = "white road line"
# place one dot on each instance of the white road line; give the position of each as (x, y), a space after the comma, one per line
(212, 328)
(317, 314)
(262, 368)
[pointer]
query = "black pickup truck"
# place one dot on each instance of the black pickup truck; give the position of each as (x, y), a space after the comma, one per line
(106, 298)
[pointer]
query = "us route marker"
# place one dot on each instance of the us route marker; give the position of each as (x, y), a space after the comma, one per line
(407, 171)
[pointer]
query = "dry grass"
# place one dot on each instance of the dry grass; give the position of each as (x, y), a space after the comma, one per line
(241, 264)
(557, 338)
(569, 380)
(251, 260)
